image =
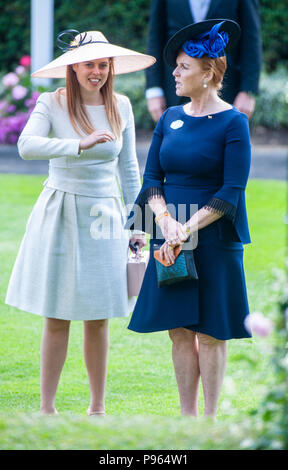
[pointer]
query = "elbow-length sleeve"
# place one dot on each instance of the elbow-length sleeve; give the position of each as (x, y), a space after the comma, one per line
(237, 160)
(34, 142)
(128, 164)
(141, 216)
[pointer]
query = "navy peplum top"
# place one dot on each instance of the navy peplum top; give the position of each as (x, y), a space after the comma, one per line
(201, 160)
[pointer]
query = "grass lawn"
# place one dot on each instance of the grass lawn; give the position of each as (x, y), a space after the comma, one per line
(141, 382)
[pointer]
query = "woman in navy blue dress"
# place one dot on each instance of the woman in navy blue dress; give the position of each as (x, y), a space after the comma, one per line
(199, 158)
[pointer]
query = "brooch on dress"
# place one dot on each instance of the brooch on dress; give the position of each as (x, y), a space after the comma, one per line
(176, 124)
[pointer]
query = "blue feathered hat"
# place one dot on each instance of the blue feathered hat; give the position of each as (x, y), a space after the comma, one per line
(212, 38)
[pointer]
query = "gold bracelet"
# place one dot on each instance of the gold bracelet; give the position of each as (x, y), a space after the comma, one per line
(163, 214)
(187, 229)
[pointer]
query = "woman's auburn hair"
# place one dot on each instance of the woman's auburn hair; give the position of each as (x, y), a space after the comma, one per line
(217, 66)
(77, 113)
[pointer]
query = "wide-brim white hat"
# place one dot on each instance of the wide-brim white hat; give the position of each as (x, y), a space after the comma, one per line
(92, 45)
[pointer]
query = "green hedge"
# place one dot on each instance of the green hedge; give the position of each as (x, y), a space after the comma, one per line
(272, 102)
(14, 33)
(133, 86)
(274, 19)
(124, 22)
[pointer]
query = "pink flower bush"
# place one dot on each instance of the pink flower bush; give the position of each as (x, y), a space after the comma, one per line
(20, 70)
(3, 105)
(10, 80)
(256, 323)
(19, 92)
(17, 101)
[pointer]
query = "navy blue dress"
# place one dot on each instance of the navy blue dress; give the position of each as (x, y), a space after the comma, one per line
(196, 162)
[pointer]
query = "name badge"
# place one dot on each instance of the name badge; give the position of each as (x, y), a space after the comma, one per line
(176, 124)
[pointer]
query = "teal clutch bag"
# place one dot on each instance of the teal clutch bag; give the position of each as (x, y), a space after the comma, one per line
(182, 270)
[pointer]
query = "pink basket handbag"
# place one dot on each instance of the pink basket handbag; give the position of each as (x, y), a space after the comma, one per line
(136, 267)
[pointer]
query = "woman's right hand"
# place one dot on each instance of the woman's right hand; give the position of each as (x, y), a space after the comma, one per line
(97, 137)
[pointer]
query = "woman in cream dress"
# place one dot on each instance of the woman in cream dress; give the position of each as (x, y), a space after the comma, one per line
(72, 260)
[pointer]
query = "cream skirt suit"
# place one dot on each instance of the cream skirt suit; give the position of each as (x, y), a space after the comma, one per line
(71, 264)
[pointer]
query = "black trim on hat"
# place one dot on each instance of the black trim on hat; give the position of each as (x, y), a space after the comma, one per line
(65, 46)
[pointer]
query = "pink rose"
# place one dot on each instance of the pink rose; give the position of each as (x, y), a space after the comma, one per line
(258, 324)
(19, 92)
(25, 61)
(9, 80)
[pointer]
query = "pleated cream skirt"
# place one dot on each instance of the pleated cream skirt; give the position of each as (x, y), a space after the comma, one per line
(72, 261)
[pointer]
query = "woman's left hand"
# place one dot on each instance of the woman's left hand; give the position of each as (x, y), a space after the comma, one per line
(140, 239)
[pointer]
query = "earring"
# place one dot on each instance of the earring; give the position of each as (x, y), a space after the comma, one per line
(204, 83)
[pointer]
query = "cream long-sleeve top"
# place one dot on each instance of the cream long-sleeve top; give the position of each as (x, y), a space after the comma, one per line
(100, 171)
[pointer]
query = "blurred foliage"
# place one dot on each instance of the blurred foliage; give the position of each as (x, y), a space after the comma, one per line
(14, 33)
(271, 418)
(133, 86)
(272, 102)
(124, 22)
(274, 19)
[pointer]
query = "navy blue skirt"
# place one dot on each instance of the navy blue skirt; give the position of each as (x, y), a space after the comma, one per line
(216, 304)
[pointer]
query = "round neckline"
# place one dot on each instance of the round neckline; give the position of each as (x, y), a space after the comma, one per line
(94, 105)
(88, 105)
(206, 115)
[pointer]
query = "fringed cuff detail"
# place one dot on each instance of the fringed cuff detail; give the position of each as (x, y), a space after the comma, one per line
(149, 193)
(224, 208)
(141, 216)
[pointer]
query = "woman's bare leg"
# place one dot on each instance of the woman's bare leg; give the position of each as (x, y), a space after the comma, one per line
(212, 362)
(53, 354)
(185, 359)
(96, 345)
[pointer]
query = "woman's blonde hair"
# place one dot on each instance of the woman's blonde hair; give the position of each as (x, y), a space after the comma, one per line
(77, 113)
(217, 67)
